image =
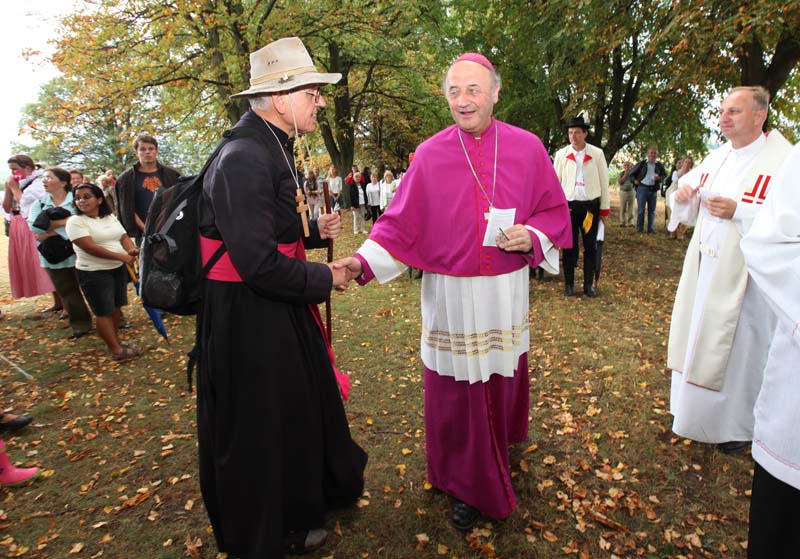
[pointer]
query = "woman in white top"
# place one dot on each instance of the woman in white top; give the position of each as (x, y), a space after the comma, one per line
(334, 187)
(388, 188)
(102, 249)
(374, 197)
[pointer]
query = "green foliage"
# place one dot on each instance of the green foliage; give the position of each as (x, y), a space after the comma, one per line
(645, 71)
(171, 68)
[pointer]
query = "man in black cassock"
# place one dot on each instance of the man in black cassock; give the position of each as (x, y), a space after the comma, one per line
(275, 448)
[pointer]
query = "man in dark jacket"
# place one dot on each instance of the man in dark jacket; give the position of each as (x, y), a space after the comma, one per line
(275, 448)
(646, 176)
(136, 186)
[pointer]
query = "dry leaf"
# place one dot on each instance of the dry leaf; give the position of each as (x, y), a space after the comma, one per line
(192, 546)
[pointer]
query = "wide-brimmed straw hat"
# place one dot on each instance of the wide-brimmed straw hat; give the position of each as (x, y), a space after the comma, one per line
(281, 66)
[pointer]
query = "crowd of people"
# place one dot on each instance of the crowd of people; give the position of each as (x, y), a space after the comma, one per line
(78, 239)
(276, 453)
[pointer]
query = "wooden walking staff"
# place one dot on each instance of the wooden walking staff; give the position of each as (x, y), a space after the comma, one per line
(326, 194)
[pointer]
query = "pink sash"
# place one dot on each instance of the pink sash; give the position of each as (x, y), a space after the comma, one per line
(224, 270)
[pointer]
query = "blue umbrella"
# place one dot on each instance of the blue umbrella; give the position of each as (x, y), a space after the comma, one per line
(154, 314)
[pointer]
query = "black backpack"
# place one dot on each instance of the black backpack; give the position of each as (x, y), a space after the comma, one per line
(170, 268)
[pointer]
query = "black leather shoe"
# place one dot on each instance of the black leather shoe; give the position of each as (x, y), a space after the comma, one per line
(305, 541)
(15, 424)
(590, 291)
(77, 335)
(733, 447)
(464, 516)
(569, 290)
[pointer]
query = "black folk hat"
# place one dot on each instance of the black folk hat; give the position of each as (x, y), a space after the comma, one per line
(578, 122)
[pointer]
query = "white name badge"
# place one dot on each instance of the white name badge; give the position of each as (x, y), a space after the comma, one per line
(499, 220)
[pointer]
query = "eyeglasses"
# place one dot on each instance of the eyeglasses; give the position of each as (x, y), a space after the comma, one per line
(316, 93)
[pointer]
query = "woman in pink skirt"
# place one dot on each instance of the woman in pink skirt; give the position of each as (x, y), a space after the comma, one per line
(24, 188)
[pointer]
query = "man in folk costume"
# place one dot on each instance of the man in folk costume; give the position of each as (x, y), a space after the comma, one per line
(583, 173)
(772, 253)
(718, 336)
(275, 447)
(501, 210)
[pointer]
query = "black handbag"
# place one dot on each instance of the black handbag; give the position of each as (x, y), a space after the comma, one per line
(55, 249)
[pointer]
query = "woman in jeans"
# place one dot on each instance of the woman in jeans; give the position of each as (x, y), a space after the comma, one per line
(102, 249)
(62, 274)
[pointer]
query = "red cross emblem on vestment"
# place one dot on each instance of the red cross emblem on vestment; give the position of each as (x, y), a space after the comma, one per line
(758, 193)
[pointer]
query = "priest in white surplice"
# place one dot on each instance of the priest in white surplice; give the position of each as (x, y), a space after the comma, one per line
(717, 327)
(772, 252)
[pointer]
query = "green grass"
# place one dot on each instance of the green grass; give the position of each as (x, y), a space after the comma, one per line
(607, 477)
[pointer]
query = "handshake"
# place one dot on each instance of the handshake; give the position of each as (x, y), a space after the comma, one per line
(344, 271)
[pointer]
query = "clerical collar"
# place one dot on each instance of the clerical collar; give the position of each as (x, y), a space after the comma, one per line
(287, 144)
(480, 136)
(750, 148)
(284, 138)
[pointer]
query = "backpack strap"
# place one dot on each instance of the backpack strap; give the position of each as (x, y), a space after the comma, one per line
(213, 260)
(227, 136)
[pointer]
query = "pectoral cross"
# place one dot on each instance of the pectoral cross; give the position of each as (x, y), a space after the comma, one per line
(302, 208)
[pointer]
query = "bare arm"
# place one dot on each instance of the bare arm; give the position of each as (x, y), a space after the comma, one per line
(129, 246)
(139, 222)
(12, 192)
(88, 245)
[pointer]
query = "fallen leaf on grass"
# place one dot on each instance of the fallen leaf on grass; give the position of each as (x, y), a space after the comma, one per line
(134, 501)
(17, 550)
(192, 546)
(603, 519)
(422, 541)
